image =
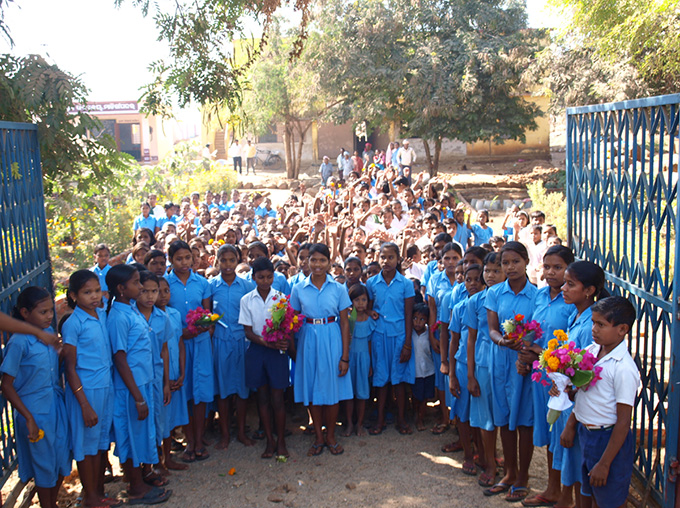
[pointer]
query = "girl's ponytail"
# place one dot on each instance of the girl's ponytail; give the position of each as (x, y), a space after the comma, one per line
(116, 276)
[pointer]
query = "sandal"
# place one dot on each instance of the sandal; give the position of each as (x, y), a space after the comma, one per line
(202, 454)
(154, 479)
(154, 496)
(469, 468)
(188, 457)
(497, 488)
(452, 447)
(440, 428)
(336, 449)
(404, 429)
(516, 494)
(538, 500)
(258, 435)
(376, 431)
(486, 480)
(315, 450)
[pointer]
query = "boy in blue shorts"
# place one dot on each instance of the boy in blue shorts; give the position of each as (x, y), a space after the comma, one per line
(266, 363)
(602, 414)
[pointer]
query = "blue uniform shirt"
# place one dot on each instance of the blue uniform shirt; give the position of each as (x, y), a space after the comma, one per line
(129, 332)
(227, 302)
(101, 273)
(388, 301)
(457, 325)
(280, 283)
(320, 303)
(552, 314)
(503, 301)
(580, 329)
(161, 221)
(90, 337)
(481, 235)
(160, 330)
(189, 297)
(144, 222)
(476, 318)
(463, 234)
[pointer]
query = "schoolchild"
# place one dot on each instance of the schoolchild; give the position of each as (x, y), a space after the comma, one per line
(463, 229)
(30, 382)
(352, 271)
(432, 266)
(176, 413)
(513, 403)
(159, 332)
(258, 250)
(266, 363)
(133, 417)
(169, 217)
(302, 265)
(481, 232)
(583, 286)
(322, 360)
(188, 291)
(391, 302)
(423, 388)
(361, 327)
(145, 219)
(155, 262)
(552, 312)
(602, 414)
(89, 401)
(102, 254)
(479, 375)
(229, 344)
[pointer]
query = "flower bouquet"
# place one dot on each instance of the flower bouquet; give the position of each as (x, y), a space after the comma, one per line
(284, 321)
(565, 365)
(517, 330)
(201, 317)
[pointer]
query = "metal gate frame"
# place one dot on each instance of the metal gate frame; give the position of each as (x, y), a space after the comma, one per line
(24, 250)
(622, 190)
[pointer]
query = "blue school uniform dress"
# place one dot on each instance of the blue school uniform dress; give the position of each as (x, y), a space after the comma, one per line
(481, 235)
(430, 269)
(320, 345)
(35, 369)
(463, 234)
(461, 408)
(159, 331)
(229, 340)
(144, 222)
(390, 333)
(280, 283)
(568, 460)
(101, 273)
(129, 332)
(298, 277)
(512, 399)
(440, 287)
(552, 314)
(90, 337)
(360, 358)
(481, 408)
(199, 380)
(177, 412)
(161, 221)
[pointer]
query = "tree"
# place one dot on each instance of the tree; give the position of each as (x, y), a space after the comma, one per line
(446, 68)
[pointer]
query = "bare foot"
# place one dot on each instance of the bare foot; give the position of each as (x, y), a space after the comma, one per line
(420, 426)
(175, 466)
(223, 444)
(269, 451)
(348, 432)
(243, 438)
(162, 470)
(281, 450)
(361, 431)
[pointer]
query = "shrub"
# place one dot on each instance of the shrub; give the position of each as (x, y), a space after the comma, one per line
(553, 204)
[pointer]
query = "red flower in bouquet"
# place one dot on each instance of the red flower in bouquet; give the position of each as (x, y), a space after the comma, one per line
(200, 317)
(284, 321)
(517, 330)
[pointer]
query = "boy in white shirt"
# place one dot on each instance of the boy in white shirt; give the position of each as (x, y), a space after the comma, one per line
(423, 389)
(602, 413)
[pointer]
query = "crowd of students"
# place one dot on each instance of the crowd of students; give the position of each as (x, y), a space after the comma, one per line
(403, 300)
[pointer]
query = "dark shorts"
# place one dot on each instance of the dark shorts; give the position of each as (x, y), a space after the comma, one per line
(615, 491)
(423, 388)
(266, 366)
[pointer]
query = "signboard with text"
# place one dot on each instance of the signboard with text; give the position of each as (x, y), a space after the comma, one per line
(106, 108)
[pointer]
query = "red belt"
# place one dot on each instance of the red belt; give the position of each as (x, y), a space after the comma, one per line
(320, 321)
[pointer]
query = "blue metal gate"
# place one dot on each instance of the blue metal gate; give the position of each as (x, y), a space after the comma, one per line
(24, 254)
(622, 191)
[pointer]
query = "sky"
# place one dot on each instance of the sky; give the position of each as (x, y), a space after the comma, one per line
(110, 48)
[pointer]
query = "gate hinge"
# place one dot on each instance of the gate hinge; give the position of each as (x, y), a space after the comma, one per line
(674, 469)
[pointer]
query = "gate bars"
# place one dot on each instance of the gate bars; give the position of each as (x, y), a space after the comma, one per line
(622, 213)
(24, 253)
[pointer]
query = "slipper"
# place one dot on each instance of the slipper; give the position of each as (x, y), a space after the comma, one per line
(202, 454)
(335, 449)
(497, 488)
(316, 449)
(452, 447)
(469, 468)
(516, 494)
(404, 429)
(538, 500)
(376, 431)
(440, 428)
(111, 502)
(486, 480)
(188, 457)
(155, 480)
(154, 496)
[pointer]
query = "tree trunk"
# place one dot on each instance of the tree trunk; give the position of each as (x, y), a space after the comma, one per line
(437, 154)
(288, 149)
(428, 156)
(301, 141)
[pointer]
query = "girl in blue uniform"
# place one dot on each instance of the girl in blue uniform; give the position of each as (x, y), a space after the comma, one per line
(176, 413)
(30, 382)
(159, 331)
(189, 291)
(133, 420)
(362, 327)
(391, 302)
(458, 370)
(89, 402)
(552, 312)
(583, 286)
(230, 344)
(322, 360)
(513, 407)
(302, 265)
(478, 375)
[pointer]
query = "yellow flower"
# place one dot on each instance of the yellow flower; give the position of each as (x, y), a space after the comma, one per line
(552, 344)
(214, 317)
(41, 434)
(561, 335)
(295, 319)
(553, 363)
(291, 326)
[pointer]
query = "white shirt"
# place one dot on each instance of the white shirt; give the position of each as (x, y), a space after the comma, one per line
(159, 212)
(399, 224)
(234, 150)
(406, 156)
(619, 385)
(423, 354)
(415, 271)
(255, 311)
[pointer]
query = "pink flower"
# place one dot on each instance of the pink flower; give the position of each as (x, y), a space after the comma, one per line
(536, 364)
(536, 377)
(569, 371)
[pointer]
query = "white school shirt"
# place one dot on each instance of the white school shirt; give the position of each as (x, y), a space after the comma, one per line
(619, 385)
(423, 355)
(255, 311)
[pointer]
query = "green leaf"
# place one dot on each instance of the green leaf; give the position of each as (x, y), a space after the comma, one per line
(16, 174)
(582, 378)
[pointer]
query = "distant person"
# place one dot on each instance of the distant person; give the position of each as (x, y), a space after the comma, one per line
(326, 169)
(156, 209)
(368, 154)
(406, 157)
(207, 156)
(235, 154)
(251, 151)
